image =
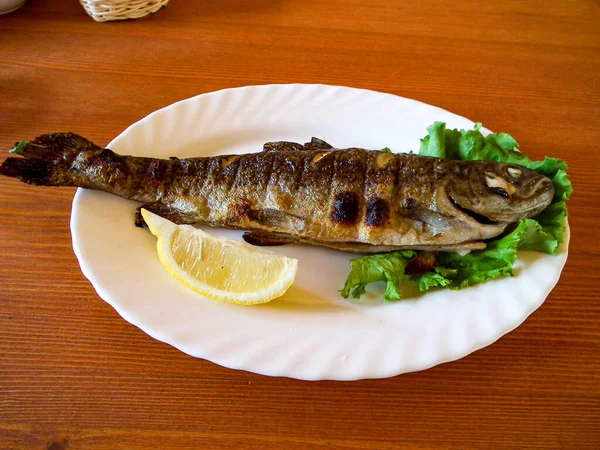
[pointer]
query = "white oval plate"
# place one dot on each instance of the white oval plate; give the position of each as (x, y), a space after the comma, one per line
(310, 333)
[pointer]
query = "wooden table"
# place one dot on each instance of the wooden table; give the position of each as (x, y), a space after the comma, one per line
(74, 374)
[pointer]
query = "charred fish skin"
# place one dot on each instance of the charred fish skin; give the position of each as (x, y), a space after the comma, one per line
(351, 199)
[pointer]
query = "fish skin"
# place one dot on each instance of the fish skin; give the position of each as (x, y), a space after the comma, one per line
(351, 199)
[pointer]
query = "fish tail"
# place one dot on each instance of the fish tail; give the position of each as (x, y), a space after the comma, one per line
(30, 171)
(46, 159)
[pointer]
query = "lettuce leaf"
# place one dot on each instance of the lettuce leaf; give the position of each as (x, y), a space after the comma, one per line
(434, 144)
(451, 270)
(436, 277)
(482, 265)
(18, 149)
(536, 238)
(386, 267)
(552, 219)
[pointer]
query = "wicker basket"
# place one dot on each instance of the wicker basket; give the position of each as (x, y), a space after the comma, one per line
(105, 10)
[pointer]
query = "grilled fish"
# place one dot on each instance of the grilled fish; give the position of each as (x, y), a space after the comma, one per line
(349, 199)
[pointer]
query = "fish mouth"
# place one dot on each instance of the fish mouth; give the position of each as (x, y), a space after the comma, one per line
(472, 214)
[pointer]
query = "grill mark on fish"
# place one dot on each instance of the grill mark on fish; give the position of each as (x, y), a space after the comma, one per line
(198, 186)
(365, 188)
(237, 179)
(272, 183)
(301, 162)
(266, 182)
(379, 183)
(348, 192)
(230, 168)
(237, 206)
(299, 180)
(395, 194)
(288, 183)
(208, 192)
(329, 188)
(319, 174)
(161, 171)
(345, 208)
(315, 188)
(378, 212)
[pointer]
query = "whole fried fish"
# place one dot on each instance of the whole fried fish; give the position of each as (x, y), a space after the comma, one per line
(352, 199)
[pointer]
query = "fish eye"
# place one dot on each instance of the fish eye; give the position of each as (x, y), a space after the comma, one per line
(500, 191)
(514, 172)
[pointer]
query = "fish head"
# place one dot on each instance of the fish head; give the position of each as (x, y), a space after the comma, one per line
(492, 192)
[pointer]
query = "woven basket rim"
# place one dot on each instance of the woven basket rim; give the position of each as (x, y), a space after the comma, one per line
(105, 10)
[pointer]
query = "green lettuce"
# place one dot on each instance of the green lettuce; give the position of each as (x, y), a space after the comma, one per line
(451, 270)
(438, 276)
(543, 233)
(18, 149)
(476, 267)
(386, 267)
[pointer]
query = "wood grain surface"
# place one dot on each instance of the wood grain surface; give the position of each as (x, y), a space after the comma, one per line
(74, 374)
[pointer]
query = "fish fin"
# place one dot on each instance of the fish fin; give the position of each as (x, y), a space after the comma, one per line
(264, 239)
(46, 159)
(165, 211)
(31, 171)
(54, 147)
(350, 247)
(314, 144)
(275, 219)
(280, 146)
(318, 144)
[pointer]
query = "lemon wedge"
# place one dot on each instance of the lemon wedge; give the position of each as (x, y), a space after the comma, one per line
(219, 268)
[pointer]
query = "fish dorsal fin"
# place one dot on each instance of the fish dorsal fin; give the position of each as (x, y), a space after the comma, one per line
(264, 239)
(314, 144)
(318, 144)
(276, 220)
(280, 146)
